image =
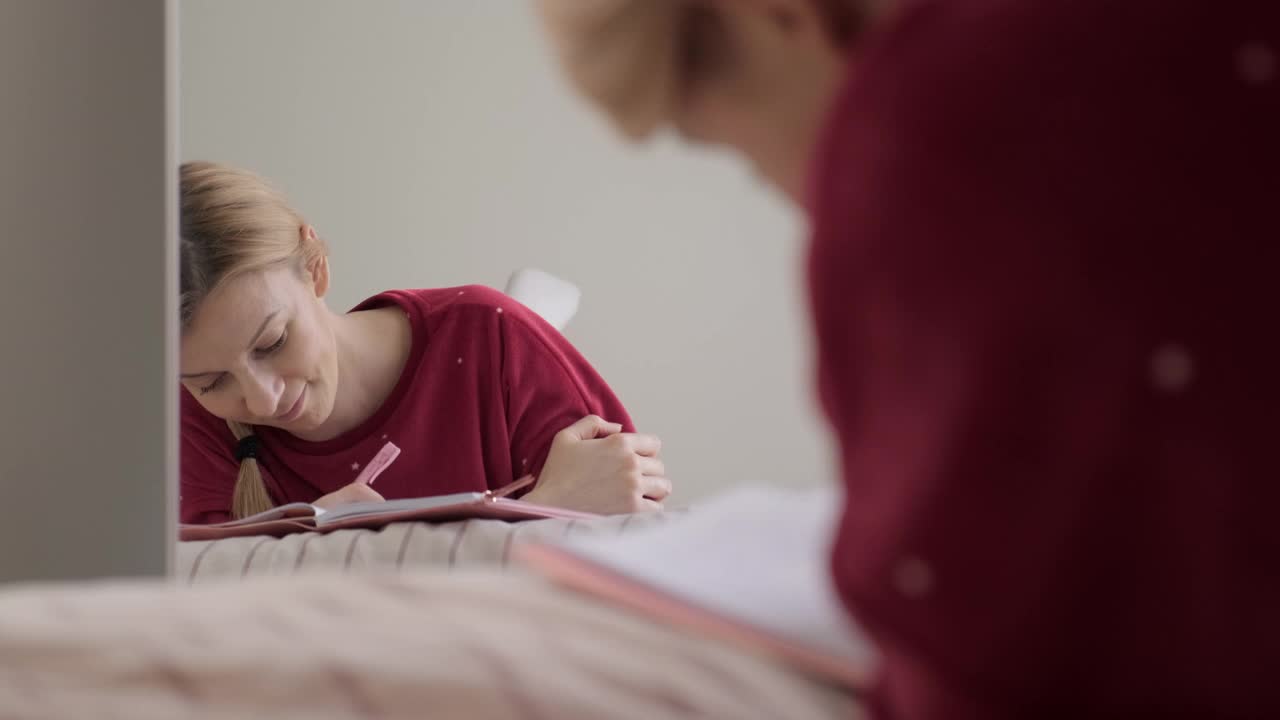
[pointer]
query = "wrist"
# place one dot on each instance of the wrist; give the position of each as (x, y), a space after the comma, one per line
(522, 488)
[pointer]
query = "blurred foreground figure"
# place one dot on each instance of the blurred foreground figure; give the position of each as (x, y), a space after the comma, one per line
(1044, 241)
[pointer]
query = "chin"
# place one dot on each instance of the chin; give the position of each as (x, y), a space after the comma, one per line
(305, 423)
(313, 421)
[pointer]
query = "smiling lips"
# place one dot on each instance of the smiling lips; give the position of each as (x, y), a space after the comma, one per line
(296, 411)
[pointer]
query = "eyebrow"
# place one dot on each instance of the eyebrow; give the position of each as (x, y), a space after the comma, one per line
(261, 328)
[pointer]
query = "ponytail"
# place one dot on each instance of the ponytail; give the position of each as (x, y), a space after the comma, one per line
(250, 496)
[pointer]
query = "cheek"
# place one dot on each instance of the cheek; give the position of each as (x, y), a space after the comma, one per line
(309, 354)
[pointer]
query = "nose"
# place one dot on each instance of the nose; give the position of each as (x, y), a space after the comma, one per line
(262, 393)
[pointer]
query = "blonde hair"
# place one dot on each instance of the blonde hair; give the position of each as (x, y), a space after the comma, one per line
(233, 222)
(632, 58)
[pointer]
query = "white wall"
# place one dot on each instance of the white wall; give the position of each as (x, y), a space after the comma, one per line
(434, 143)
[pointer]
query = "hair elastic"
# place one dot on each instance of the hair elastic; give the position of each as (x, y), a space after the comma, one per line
(248, 447)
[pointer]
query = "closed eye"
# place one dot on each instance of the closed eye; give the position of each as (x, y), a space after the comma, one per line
(206, 389)
(260, 352)
(279, 343)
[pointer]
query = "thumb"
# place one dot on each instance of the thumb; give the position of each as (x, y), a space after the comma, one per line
(589, 427)
(359, 492)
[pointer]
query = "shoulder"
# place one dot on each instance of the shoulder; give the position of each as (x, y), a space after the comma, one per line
(466, 305)
(208, 447)
(195, 419)
(1000, 117)
(479, 298)
(204, 437)
(1017, 67)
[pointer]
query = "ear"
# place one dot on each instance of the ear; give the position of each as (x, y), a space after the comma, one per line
(317, 269)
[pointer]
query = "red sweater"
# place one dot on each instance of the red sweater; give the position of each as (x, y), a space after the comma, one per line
(486, 386)
(1045, 246)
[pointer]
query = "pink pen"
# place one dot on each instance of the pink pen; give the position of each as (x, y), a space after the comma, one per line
(380, 462)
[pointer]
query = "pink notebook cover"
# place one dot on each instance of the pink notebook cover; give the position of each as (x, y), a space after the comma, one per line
(297, 518)
(587, 576)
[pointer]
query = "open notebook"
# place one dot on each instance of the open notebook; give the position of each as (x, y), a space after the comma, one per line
(303, 517)
(750, 567)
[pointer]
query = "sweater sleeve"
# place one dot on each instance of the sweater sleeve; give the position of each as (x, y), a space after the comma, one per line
(549, 385)
(1039, 350)
(208, 466)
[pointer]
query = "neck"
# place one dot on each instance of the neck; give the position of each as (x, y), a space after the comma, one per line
(372, 347)
(787, 158)
(791, 166)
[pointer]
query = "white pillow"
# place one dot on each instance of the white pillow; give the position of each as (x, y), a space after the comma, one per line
(554, 299)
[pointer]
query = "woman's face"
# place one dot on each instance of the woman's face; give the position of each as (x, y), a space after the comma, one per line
(260, 350)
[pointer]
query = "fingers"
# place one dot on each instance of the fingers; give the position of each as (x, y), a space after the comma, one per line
(355, 492)
(651, 466)
(359, 492)
(655, 487)
(639, 443)
(647, 505)
(589, 427)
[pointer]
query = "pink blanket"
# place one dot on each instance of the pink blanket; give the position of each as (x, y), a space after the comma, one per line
(469, 644)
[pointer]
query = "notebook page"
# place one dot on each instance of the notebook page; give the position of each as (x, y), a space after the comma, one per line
(757, 555)
(290, 510)
(361, 509)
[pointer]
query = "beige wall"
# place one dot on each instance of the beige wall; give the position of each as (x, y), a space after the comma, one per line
(433, 143)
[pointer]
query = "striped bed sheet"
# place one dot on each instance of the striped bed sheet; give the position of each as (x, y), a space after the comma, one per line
(399, 546)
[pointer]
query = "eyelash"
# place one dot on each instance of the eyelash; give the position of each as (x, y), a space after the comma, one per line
(275, 346)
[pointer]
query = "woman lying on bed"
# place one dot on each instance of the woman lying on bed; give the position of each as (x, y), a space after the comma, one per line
(287, 400)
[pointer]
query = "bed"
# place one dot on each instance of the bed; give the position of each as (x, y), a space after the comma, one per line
(413, 620)
(474, 643)
(400, 546)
